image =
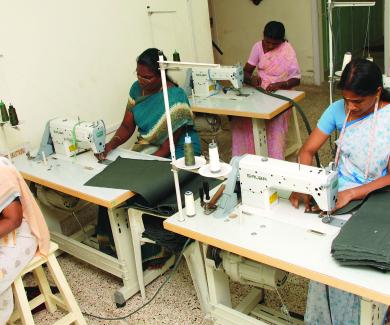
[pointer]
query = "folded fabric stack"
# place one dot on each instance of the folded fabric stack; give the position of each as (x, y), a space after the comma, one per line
(365, 239)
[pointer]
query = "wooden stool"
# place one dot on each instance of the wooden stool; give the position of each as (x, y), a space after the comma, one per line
(68, 303)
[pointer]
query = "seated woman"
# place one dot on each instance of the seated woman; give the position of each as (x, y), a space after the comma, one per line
(277, 68)
(363, 150)
(145, 110)
(22, 231)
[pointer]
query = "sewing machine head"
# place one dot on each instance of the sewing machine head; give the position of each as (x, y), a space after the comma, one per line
(260, 177)
(71, 137)
(206, 79)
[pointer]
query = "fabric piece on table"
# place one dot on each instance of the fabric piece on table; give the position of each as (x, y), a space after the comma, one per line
(365, 238)
(152, 180)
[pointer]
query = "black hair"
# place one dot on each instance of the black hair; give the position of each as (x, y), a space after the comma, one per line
(150, 58)
(363, 77)
(274, 30)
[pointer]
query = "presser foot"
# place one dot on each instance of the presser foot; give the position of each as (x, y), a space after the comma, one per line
(325, 218)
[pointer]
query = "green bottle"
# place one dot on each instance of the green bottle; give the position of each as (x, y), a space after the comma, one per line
(13, 118)
(176, 56)
(4, 113)
(189, 157)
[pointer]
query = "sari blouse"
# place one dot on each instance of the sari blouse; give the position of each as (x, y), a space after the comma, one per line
(278, 65)
(355, 146)
(149, 116)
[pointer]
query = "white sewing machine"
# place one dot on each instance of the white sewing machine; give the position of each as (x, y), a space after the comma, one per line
(260, 177)
(70, 137)
(206, 79)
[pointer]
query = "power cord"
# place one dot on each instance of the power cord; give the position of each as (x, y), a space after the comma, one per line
(154, 296)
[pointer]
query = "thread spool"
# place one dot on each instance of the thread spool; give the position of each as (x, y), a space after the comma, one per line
(44, 158)
(176, 56)
(189, 156)
(13, 117)
(189, 203)
(4, 113)
(346, 60)
(215, 164)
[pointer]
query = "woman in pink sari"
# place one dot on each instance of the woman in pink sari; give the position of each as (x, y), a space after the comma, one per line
(277, 68)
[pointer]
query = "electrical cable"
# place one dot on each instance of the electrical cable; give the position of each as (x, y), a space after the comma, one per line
(300, 111)
(155, 294)
(367, 35)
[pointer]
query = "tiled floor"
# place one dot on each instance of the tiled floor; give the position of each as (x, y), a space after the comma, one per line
(177, 303)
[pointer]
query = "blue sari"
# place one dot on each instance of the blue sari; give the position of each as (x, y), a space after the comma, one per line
(149, 116)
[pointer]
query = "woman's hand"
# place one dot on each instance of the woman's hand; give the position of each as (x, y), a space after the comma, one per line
(256, 81)
(296, 198)
(344, 197)
(275, 86)
(103, 155)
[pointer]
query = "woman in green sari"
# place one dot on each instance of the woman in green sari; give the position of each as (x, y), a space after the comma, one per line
(145, 109)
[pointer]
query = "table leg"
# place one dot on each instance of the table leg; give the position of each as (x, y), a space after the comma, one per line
(195, 263)
(136, 227)
(260, 137)
(371, 312)
(125, 252)
(294, 135)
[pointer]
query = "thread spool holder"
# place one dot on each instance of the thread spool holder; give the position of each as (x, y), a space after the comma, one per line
(3, 126)
(164, 65)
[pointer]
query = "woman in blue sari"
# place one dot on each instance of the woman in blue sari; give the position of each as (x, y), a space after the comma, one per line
(145, 110)
(362, 118)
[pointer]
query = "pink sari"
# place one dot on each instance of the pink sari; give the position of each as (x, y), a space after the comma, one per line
(277, 65)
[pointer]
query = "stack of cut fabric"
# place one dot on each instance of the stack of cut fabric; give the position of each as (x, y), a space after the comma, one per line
(365, 239)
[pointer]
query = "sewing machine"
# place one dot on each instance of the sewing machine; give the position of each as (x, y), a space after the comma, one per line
(260, 177)
(70, 137)
(206, 79)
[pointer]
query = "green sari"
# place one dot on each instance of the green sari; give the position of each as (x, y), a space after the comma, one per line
(149, 116)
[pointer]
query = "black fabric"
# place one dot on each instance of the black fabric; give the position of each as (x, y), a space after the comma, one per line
(154, 230)
(152, 180)
(364, 240)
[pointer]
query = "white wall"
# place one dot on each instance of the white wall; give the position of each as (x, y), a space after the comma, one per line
(239, 24)
(74, 58)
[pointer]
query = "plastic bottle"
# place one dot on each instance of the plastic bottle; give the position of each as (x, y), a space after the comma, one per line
(4, 113)
(189, 157)
(13, 117)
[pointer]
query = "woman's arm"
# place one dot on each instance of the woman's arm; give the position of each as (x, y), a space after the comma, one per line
(11, 218)
(249, 78)
(164, 151)
(288, 84)
(124, 132)
(360, 192)
(315, 141)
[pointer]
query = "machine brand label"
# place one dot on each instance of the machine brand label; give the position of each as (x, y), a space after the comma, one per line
(259, 178)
